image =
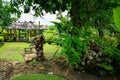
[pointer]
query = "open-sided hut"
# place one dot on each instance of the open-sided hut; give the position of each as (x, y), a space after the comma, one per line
(28, 26)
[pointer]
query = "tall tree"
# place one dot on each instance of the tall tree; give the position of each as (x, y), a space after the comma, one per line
(82, 12)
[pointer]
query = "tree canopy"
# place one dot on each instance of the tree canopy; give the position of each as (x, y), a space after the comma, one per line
(82, 12)
(6, 12)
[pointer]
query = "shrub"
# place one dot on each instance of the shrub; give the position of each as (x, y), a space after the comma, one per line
(50, 34)
(113, 53)
(76, 43)
(1, 39)
(10, 40)
(5, 35)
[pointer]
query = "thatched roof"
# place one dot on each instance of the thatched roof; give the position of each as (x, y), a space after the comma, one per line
(42, 27)
(26, 25)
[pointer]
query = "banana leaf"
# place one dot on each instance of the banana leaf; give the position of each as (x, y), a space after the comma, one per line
(116, 14)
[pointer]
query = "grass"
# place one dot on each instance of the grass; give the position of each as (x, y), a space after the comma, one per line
(12, 50)
(50, 50)
(37, 77)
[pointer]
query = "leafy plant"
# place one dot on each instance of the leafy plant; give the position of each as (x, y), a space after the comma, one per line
(74, 41)
(51, 34)
(113, 54)
(117, 17)
(4, 34)
(75, 44)
(1, 39)
(106, 66)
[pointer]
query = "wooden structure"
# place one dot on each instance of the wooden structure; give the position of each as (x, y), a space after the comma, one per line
(28, 26)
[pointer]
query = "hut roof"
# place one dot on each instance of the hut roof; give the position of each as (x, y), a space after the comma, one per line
(26, 25)
(42, 27)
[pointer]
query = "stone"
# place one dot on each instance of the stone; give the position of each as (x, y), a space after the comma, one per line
(98, 59)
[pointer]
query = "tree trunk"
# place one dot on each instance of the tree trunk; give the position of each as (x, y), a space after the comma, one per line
(75, 13)
(38, 42)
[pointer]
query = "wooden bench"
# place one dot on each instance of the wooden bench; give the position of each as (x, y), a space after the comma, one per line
(29, 50)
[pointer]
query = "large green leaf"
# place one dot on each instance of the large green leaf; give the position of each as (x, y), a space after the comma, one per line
(117, 17)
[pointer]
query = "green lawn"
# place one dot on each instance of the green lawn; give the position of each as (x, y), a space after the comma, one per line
(50, 50)
(12, 50)
(37, 77)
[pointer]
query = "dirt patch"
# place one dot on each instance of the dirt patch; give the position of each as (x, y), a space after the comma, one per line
(56, 66)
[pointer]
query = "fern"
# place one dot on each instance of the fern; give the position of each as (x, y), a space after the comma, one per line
(107, 66)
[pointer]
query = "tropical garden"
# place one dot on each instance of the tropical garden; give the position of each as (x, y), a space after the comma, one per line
(84, 45)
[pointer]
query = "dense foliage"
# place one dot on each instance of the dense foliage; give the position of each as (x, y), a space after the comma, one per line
(1, 39)
(50, 34)
(6, 12)
(99, 10)
(76, 34)
(74, 46)
(101, 55)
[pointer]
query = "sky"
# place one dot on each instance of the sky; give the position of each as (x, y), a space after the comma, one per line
(44, 20)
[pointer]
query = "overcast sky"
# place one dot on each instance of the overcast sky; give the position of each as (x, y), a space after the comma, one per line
(44, 20)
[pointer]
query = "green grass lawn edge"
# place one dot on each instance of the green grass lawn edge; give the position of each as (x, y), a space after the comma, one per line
(37, 77)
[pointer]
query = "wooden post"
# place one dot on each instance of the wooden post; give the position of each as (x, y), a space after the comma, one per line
(15, 34)
(19, 34)
(39, 28)
(29, 35)
(25, 35)
(34, 33)
(10, 33)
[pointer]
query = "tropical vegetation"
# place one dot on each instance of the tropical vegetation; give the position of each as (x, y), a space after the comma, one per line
(89, 34)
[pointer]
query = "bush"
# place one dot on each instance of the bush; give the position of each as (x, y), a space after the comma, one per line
(1, 39)
(76, 44)
(5, 35)
(10, 40)
(113, 52)
(51, 34)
